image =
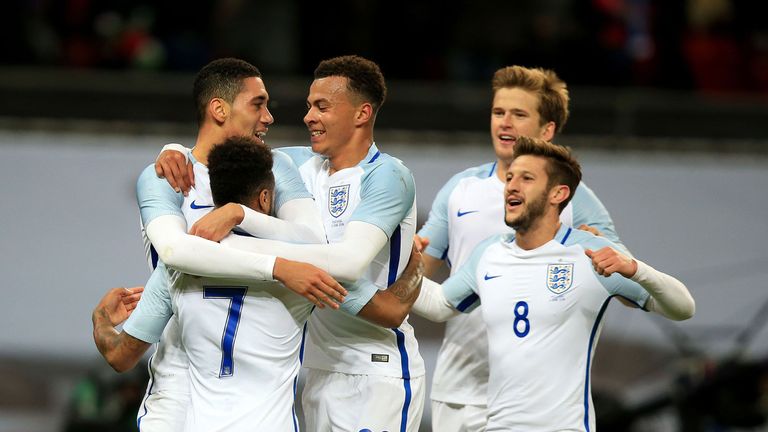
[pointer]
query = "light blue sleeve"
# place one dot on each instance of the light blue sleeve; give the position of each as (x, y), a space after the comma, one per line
(359, 294)
(386, 196)
(461, 288)
(614, 284)
(436, 226)
(298, 154)
(288, 183)
(156, 197)
(154, 309)
(588, 210)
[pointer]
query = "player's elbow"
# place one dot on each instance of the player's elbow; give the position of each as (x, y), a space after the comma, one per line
(120, 363)
(686, 311)
(349, 269)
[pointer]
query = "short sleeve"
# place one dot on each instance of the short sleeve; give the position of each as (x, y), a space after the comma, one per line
(615, 284)
(288, 183)
(358, 295)
(156, 197)
(148, 320)
(461, 288)
(436, 227)
(588, 210)
(387, 195)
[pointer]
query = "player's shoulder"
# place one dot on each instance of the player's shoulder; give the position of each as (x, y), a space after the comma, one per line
(148, 179)
(588, 240)
(297, 154)
(382, 167)
(481, 171)
(470, 176)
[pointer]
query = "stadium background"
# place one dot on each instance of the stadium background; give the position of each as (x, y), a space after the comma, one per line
(669, 116)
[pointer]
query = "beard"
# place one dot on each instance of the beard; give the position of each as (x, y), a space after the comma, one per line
(534, 210)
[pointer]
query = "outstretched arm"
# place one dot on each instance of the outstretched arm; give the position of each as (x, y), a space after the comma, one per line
(389, 307)
(121, 350)
(669, 296)
(432, 303)
(346, 260)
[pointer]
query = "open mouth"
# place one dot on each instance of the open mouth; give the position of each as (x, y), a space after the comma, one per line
(507, 139)
(514, 202)
(316, 133)
(260, 136)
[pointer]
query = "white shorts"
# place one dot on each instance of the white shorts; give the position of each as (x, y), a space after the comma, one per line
(162, 411)
(340, 402)
(448, 417)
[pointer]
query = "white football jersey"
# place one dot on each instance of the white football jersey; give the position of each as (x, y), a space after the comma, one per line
(543, 311)
(379, 191)
(466, 211)
(153, 321)
(243, 342)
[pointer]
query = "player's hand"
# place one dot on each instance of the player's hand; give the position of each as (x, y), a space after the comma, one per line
(608, 261)
(217, 224)
(420, 243)
(590, 229)
(176, 169)
(310, 282)
(118, 304)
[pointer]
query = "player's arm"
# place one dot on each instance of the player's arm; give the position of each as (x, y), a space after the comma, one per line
(389, 307)
(441, 302)
(121, 350)
(165, 227)
(297, 219)
(346, 260)
(435, 230)
(668, 296)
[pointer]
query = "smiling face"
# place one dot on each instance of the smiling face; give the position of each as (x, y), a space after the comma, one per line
(331, 114)
(515, 112)
(526, 193)
(248, 114)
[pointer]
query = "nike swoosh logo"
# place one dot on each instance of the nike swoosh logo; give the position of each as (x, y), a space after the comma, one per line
(461, 213)
(194, 206)
(487, 277)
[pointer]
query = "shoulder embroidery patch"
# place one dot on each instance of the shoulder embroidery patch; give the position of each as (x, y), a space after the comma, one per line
(338, 198)
(559, 277)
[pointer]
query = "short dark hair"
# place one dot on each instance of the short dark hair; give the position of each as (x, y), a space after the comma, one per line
(239, 169)
(222, 78)
(562, 168)
(551, 90)
(364, 77)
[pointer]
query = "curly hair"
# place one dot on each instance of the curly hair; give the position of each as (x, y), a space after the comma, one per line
(239, 169)
(364, 77)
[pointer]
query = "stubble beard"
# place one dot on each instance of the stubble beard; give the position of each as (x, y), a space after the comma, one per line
(525, 221)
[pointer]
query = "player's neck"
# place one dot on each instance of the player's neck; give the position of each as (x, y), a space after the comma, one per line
(350, 155)
(539, 233)
(206, 139)
(502, 167)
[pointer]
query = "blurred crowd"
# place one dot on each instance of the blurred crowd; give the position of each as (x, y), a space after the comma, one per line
(706, 45)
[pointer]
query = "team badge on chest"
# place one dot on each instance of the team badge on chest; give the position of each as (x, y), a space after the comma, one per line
(338, 198)
(559, 277)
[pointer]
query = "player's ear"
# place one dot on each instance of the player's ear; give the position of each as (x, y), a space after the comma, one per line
(218, 109)
(363, 114)
(265, 201)
(559, 193)
(548, 131)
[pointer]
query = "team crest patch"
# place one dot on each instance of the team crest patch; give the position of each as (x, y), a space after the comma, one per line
(338, 198)
(559, 277)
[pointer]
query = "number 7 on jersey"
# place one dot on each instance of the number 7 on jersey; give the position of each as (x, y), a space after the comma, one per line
(236, 295)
